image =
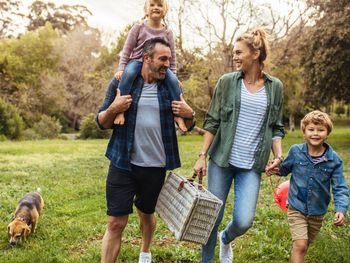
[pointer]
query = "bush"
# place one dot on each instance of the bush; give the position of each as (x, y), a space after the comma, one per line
(89, 129)
(30, 135)
(339, 110)
(11, 123)
(47, 127)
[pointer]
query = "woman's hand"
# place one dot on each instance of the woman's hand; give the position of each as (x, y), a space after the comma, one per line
(272, 167)
(200, 168)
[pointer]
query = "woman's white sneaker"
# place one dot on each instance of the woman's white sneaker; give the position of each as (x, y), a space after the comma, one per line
(226, 254)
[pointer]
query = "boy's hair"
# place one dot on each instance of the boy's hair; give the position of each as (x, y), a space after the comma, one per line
(319, 118)
(148, 46)
(163, 2)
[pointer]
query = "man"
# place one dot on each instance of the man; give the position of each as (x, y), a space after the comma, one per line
(141, 150)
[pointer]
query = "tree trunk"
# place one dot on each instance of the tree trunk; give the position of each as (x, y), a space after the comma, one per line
(291, 122)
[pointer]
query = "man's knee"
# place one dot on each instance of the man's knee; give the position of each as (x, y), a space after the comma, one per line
(116, 224)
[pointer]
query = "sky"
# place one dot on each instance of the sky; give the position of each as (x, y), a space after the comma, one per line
(108, 15)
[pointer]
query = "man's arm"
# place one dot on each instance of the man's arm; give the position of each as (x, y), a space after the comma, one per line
(120, 104)
(183, 110)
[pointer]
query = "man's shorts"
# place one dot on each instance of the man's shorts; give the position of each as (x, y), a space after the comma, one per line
(140, 186)
(303, 226)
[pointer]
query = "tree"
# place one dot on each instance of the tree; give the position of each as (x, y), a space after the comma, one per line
(326, 53)
(64, 18)
(9, 10)
(82, 89)
(23, 61)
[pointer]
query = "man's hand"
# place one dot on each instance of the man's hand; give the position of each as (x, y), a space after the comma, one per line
(120, 103)
(339, 219)
(181, 108)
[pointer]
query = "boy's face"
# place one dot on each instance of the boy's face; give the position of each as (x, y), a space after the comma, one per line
(315, 134)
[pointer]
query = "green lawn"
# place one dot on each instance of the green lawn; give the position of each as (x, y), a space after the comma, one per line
(71, 175)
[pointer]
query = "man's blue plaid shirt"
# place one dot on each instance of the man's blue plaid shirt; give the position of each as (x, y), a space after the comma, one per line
(121, 142)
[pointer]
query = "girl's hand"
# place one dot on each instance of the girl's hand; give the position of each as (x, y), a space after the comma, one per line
(339, 219)
(200, 168)
(119, 74)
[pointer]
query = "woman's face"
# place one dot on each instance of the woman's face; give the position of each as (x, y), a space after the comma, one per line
(243, 57)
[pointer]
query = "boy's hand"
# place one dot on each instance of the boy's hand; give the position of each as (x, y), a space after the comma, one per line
(339, 219)
(119, 74)
(272, 167)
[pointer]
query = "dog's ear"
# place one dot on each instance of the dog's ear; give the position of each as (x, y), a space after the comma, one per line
(26, 231)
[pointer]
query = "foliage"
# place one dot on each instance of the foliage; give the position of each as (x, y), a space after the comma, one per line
(71, 175)
(326, 53)
(23, 61)
(11, 124)
(47, 127)
(340, 110)
(64, 18)
(30, 135)
(89, 129)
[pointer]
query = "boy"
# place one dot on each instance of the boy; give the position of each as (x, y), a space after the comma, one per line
(315, 166)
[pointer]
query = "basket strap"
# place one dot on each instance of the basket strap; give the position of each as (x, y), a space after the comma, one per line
(191, 180)
(200, 180)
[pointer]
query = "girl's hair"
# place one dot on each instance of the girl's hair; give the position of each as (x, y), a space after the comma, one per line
(318, 118)
(162, 2)
(256, 39)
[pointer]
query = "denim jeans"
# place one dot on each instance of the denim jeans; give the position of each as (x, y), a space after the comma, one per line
(133, 68)
(246, 191)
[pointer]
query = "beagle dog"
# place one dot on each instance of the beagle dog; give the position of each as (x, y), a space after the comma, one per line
(26, 217)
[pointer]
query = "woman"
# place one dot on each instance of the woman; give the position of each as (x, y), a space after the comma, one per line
(244, 121)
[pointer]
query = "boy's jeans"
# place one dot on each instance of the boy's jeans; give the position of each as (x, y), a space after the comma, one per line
(246, 190)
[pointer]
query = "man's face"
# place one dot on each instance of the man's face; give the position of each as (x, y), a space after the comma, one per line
(159, 62)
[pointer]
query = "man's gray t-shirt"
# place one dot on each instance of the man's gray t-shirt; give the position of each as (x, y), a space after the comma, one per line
(148, 149)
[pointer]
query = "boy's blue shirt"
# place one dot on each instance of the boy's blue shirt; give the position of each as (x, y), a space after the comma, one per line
(309, 190)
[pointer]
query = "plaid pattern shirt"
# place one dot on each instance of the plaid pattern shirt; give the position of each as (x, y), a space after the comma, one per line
(121, 142)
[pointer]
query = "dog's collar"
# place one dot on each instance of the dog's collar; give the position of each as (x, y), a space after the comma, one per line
(22, 219)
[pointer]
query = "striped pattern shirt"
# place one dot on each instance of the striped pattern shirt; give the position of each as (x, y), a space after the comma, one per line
(248, 131)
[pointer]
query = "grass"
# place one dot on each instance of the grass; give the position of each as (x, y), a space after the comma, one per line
(71, 175)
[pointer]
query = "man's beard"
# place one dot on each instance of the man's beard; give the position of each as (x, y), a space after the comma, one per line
(158, 73)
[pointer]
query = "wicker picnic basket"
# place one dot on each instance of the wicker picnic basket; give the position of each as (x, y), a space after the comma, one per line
(187, 208)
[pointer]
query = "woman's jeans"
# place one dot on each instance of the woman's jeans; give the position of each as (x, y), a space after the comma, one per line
(133, 69)
(246, 190)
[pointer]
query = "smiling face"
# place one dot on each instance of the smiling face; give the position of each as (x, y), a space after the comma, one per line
(159, 62)
(155, 9)
(315, 134)
(244, 57)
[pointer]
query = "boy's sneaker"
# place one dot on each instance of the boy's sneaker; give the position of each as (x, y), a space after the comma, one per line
(145, 257)
(226, 254)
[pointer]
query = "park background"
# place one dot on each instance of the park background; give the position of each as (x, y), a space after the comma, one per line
(54, 69)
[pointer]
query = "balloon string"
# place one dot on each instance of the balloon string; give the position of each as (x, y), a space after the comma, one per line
(271, 184)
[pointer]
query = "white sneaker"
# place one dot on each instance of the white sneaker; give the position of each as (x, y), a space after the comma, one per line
(145, 257)
(226, 254)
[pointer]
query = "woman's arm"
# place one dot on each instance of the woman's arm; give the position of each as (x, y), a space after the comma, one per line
(200, 167)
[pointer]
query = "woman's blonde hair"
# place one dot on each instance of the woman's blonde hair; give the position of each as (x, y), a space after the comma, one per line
(162, 2)
(256, 40)
(318, 118)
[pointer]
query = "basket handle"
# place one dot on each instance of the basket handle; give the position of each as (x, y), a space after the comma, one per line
(191, 180)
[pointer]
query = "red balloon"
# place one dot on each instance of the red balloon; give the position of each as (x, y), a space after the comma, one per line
(281, 195)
